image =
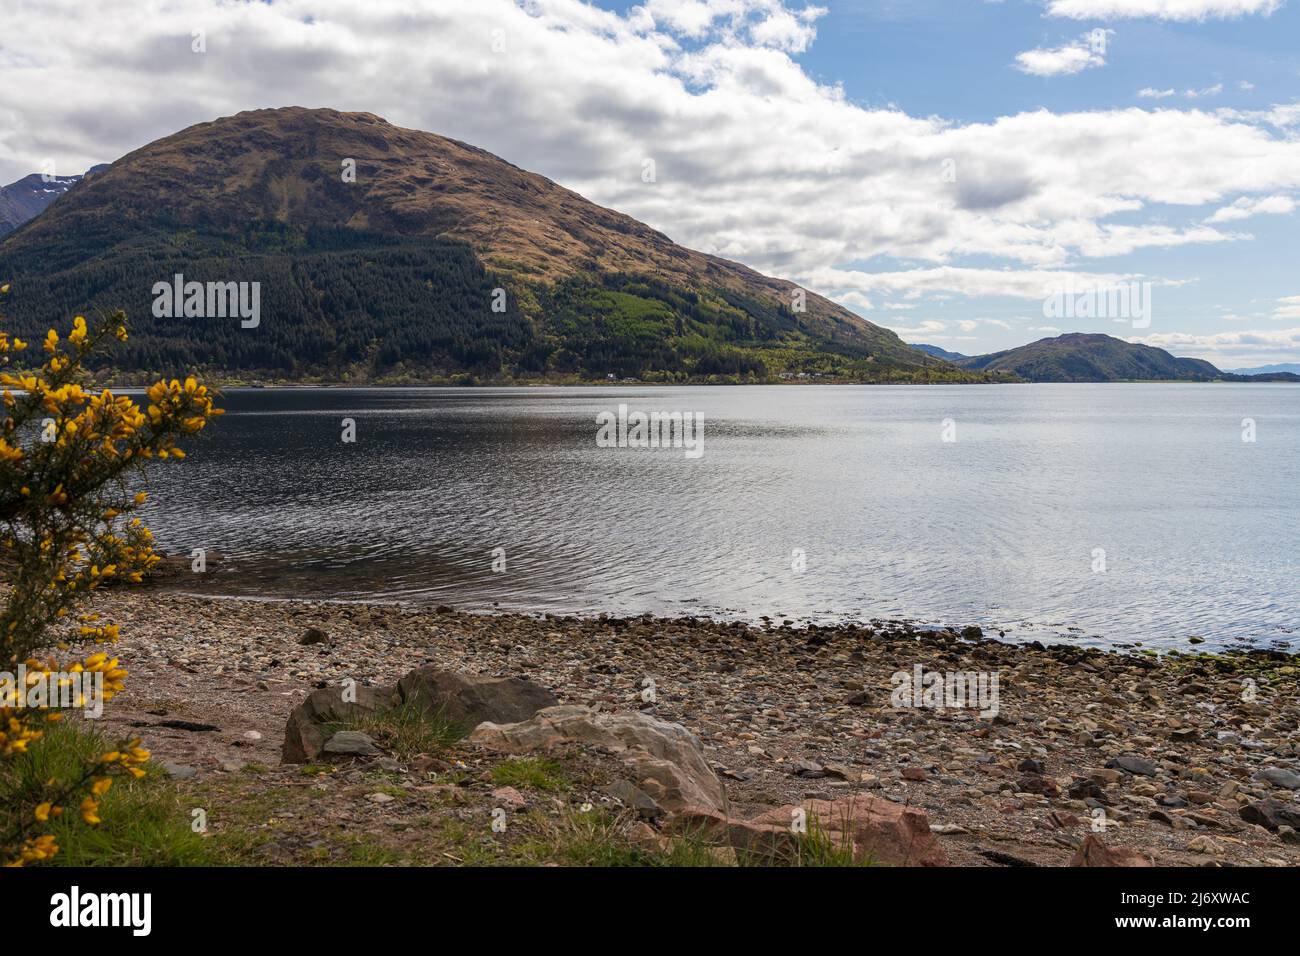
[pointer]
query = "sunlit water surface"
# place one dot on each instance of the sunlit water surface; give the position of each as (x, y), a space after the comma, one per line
(1000, 527)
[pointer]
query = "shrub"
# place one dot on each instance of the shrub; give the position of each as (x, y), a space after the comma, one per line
(68, 458)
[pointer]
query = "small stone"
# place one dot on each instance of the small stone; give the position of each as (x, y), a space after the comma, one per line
(915, 774)
(1203, 844)
(1280, 777)
(808, 769)
(179, 771)
(509, 797)
(252, 735)
(947, 829)
(380, 797)
(314, 635)
(350, 743)
(1134, 764)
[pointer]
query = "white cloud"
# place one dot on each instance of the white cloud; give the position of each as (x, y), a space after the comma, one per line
(1246, 207)
(1150, 93)
(1160, 9)
(1030, 284)
(756, 160)
(928, 327)
(1230, 349)
(1288, 307)
(1214, 90)
(1085, 53)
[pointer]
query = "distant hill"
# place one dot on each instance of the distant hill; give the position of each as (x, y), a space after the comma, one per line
(392, 276)
(1088, 357)
(938, 352)
(1287, 367)
(1262, 377)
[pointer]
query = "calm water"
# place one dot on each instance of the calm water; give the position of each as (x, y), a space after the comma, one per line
(1200, 529)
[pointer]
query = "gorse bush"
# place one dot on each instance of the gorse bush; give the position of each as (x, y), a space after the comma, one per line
(67, 460)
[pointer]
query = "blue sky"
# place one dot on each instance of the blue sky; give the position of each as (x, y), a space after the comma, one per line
(942, 167)
(956, 59)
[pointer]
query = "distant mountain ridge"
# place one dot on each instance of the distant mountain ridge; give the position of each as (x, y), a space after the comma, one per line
(435, 260)
(1286, 368)
(938, 352)
(28, 197)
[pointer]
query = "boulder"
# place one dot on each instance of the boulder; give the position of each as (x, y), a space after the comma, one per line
(463, 699)
(313, 635)
(1280, 777)
(878, 830)
(310, 722)
(1093, 852)
(665, 761)
(1271, 814)
(469, 700)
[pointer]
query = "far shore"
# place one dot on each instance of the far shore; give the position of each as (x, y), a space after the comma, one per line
(244, 384)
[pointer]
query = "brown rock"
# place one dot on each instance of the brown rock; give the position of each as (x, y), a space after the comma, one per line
(877, 830)
(1095, 853)
(312, 722)
(469, 699)
(666, 760)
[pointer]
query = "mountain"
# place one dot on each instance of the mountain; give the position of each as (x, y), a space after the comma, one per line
(938, 352)
(395, 276)
(1291, 367)
(1086, 357)
(28, 197)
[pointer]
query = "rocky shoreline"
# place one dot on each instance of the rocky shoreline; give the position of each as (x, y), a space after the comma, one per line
(1019, 755)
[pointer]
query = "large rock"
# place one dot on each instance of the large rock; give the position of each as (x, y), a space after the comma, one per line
(664, 760)
(877, 830)
(1271, 814)
(463, 699)
(469, 700)
(314, 721)
(1095, 853)
(1280, 777)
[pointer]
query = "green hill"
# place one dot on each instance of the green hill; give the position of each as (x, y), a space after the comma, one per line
(1086, 357)
(392, 277)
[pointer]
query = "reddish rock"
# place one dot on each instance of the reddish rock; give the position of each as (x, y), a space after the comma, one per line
(1095, 853)
(879, 831)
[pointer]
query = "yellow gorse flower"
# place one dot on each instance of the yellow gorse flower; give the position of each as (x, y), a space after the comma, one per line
(67, 527)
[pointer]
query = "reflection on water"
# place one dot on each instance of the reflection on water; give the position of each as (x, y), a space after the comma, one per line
(1000, 527)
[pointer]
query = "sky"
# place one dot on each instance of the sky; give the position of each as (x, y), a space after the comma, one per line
(950, 169)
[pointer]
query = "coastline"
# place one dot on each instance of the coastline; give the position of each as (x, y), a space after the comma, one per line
(783, 715)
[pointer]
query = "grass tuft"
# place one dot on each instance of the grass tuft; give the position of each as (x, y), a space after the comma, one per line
(144, 823)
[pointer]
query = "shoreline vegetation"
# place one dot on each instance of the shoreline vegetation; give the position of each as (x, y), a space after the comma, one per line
(469, 381)
(1088, 757)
